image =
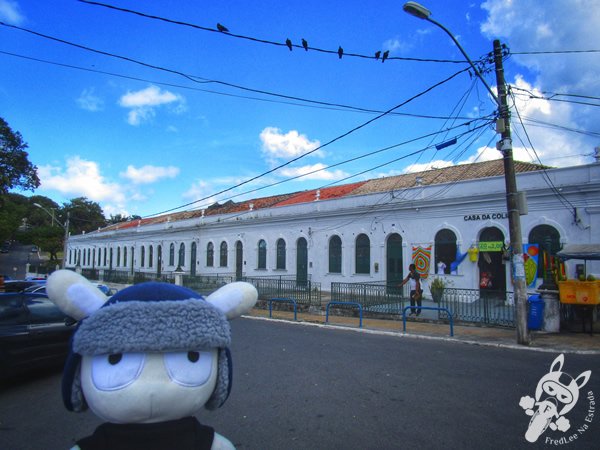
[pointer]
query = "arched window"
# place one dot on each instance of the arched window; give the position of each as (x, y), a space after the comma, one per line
(210, 254)
(150, 256)
(223, 254)
(445, 249)
(280, 254)
(143, 256)
(544, 235)
(363, 254)
(118, 256)
(335, 254)
(181, 259)
(124, 256)
(262, 254)
(193, 258)
(172, 254)
(104, 257)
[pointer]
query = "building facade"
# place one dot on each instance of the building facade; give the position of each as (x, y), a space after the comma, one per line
(367, 231)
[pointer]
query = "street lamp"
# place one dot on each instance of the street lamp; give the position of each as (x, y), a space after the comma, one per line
(505, 146)
(51, 214)
(65, 226)
(419, 11)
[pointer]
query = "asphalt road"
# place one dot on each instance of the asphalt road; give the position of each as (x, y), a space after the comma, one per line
(306, 387)
(13, 263)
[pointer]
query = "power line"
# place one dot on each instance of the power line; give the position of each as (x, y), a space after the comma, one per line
(193, 78)
(314, 103)
(422, 150)
(542, 124)
(339, 137)
(287, 44)
(554, 52)
(553, 99)
(546, 177)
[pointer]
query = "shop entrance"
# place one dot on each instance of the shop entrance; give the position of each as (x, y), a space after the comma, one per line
(301, 262)
(491, 264)
(394, 262)
(239, 260)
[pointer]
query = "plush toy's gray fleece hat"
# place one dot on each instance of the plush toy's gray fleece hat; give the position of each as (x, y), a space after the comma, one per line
(150, 317)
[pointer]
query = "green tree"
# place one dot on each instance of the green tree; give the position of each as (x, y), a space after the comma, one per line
(85, 215)
(46, 225)
(16, 171)
(121, 218)
(13, 209)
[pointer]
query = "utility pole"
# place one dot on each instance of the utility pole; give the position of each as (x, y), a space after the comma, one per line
(512, 203)
(66, 239)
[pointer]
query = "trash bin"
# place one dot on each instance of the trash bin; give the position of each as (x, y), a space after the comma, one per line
(536, 312)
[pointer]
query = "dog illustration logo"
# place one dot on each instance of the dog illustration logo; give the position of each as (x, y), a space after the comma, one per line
(556, 394)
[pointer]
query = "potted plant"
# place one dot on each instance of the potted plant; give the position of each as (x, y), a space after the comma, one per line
(436, 287)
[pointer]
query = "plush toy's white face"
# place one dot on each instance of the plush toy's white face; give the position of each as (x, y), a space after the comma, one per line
(148, 387)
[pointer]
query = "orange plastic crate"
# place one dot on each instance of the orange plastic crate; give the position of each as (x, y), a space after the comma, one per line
(579, 292)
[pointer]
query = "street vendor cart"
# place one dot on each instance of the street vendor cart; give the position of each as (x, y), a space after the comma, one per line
(581, 294)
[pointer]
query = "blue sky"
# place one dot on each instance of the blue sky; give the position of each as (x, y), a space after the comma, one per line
(143, 140)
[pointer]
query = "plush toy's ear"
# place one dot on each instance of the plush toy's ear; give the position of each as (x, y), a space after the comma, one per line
(74, 294)
(234, 299)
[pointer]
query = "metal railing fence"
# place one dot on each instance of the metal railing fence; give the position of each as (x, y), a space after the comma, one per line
(372, 296)
(467, 305)
(477, 306)
(305, 292)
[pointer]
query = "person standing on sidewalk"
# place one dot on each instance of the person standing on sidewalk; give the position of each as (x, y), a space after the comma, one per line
(416, 293)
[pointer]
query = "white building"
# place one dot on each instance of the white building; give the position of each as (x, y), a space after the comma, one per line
(365, 231)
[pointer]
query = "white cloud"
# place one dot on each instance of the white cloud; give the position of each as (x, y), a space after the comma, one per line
(149, 174)
(276, 145)
(320, 172)
(438, 164)
(89, 101)
(557, 26)
(82, 178)
(200, 189)
(396, 46)
(143, 103)
(10, 12)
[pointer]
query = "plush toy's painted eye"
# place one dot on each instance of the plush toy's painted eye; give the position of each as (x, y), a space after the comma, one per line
(115, 371)
(115, 358)
(190, 369)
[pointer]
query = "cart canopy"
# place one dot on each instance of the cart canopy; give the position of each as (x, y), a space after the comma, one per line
(580, 251)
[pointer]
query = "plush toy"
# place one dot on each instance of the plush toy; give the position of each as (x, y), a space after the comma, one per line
(147, 359)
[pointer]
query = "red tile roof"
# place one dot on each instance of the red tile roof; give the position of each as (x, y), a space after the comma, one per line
(324, 194)
(435, 176)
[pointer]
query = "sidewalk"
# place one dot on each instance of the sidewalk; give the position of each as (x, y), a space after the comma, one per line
(564, 342)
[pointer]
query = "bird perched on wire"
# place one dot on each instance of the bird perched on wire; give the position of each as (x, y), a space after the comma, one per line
(340, 52)
(222, 28)
(304, 44)
(289, 44)
(385, 55)
(377, 55)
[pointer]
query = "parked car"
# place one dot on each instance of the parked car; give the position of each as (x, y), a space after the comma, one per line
(106, 290)
(38, 279)
(34, 333)
(19, 285)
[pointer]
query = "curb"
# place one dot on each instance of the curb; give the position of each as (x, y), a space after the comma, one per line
(450, 339)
